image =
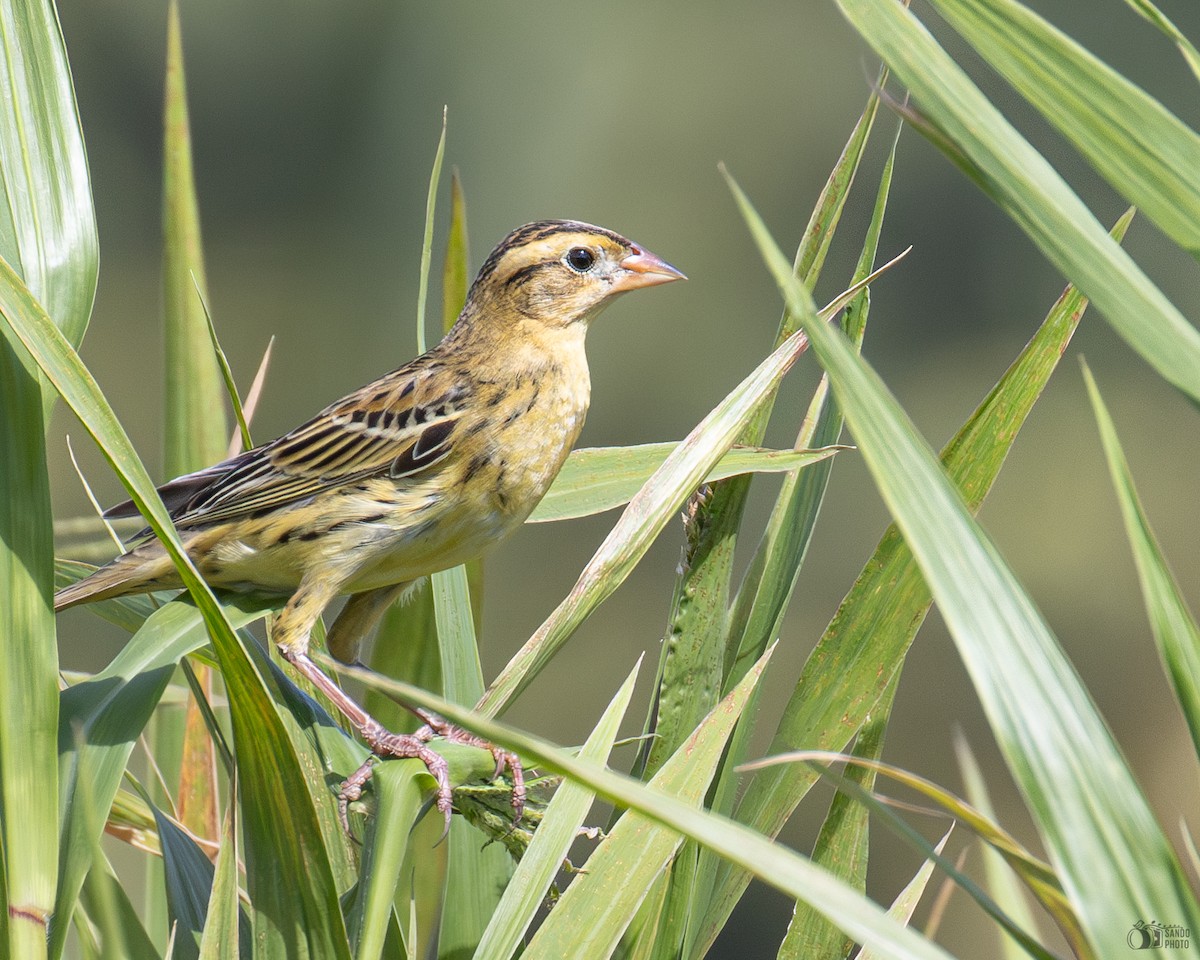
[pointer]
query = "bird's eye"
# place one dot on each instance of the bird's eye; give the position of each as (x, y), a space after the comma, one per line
(580, 259)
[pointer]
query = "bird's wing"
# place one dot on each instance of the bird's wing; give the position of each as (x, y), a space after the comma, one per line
(400, 425)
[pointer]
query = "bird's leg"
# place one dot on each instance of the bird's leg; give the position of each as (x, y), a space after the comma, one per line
(291, 632)
(358, 618)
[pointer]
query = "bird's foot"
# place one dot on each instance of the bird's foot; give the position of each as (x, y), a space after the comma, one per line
(435, 726)
(384, 743)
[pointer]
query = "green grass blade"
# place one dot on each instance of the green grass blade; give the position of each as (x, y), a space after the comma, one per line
(294, 908)
(841, 846)
(773, 863)
(558, 830)
(646, 515)
(692, 664)
(870, 634)
(767, 586)
(595, 479)
(105, 903)
(1139, 146)
(194, 433)
(915, 839)
(399, 799)
(110, 711)
(765, 592)
(1110, 852)
(226, 931)
(1036, 874)
(906, 901)
(195, 428)
(188, 876)
(1030, 191)
(1001, 882)
(456, 271)
(477, 873)
(48, 235)
(427, 243)
(28, 665)
(601, 902)
(1148, 10)
(47, 223)
(283, 828)
(1175, 631)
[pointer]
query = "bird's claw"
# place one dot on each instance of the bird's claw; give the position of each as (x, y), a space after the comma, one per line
(435, 726)
(384, 743)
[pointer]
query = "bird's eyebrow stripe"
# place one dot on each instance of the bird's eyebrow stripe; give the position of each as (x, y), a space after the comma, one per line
(522, 276)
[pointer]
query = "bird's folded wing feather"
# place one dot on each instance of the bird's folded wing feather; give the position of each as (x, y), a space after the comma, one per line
(399, 426)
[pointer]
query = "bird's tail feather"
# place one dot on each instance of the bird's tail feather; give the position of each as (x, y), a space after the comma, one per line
(132, 572)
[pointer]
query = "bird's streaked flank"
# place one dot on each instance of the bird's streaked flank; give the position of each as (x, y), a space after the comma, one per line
(417, 472)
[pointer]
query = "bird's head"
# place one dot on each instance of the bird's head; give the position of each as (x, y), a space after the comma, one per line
(561, 272)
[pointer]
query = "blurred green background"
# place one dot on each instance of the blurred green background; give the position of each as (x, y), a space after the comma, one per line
(314, 129)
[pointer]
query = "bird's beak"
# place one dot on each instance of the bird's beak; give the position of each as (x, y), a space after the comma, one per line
(643, 269)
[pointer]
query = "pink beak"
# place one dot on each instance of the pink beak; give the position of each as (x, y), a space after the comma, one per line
(643, 269)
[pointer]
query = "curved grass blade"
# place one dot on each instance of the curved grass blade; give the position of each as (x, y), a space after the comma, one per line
(110, 711)
(868, 638)
(1150, 12)
(595, 479)
(901, 828)
(1109, 851)
(771, 862)
(283, 838)
(1142, 149)
(1025, 186)
(552, 841)
(1175, 631)
(1037, 874)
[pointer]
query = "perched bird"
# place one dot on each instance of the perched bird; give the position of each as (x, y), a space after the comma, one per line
(420, 470)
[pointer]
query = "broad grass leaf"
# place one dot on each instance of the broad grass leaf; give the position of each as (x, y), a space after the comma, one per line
(1028, 189)
(1139, 146)
(1109, 851)
(595, 479)
(47, 238)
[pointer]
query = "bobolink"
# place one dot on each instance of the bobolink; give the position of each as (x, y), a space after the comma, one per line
(420, 470)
